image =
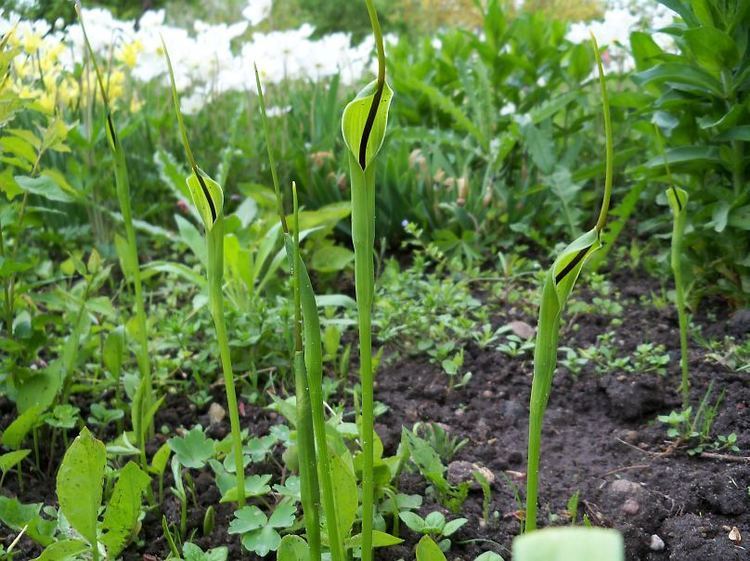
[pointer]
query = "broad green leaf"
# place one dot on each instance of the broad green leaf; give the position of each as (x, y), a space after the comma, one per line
(194, 449)
(44, 186)
(645, 50)
(489, 556)
(79, 483)
(562, 544)
(428, 550)
(41, 389)
(293, 548)
(65, 550)
(11, 459)
(114, 350)
(681, 76)
(255, 486)
(688, 156)
(127, 263)
(192, 552)
(208, 197)
(16, 432)
(123, 509)
(413, 521)
(19, 516)
(353, 123)
(379, 539)
(331, 259)
(741, 132)
(344, 495)
(712, 48)
(160, 459)
(453, 526)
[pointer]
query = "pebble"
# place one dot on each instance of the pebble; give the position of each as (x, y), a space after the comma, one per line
(522, 329)
(657, 544)
(630, 507)
(216, 413)
(462, 472)
(625, 487)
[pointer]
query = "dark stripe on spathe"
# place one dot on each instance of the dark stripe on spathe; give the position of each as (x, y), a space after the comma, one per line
(207, 194)
(677, 198)
(570, 266)
(368, 126)
(111, 126)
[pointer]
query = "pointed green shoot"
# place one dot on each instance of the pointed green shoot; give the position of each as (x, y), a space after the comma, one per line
(558, 284)
(207, 194)
(208, 198)
(678, 201)
(312, 355)
(131, 268)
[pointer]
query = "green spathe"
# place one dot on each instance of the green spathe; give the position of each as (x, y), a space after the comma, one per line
(569, 544)
(208, 196)
(354, 121)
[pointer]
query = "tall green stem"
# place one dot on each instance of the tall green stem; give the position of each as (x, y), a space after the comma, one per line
(208, 197)
(558, 284)
(678, 229)
(215, 242)
(132, 265)
(363, 238)
(312, 356)
(305, 437)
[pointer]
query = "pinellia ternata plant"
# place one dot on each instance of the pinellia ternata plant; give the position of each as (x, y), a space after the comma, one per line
(127, 248)
(678, 200)
(308, 373)
(558, 284)
(208, 197)
(363, 125)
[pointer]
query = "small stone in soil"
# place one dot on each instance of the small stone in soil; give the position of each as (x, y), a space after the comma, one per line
(630, 507)
(657, 544)
(216, 413)
(463, 472)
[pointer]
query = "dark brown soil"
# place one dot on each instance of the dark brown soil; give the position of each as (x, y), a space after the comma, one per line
(601, 439)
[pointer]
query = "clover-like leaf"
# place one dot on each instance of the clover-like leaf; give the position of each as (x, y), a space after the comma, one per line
(247, 519)
(262, 541)
(255, 486)
(283, 516)
(194, 449)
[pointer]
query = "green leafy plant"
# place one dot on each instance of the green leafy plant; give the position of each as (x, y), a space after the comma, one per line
(80, 488)
(434, 525)
(558, 284)
(208, 197)
(364, 125)
(260, 533)
(678, 201)
(696, 99)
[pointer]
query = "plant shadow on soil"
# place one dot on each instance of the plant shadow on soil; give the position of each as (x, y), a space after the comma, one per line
(600, 439)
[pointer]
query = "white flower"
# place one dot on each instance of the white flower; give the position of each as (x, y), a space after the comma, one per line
(257, 11)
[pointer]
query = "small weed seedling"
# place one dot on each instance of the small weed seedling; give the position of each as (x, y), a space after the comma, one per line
(433, 525)
(558, 284)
